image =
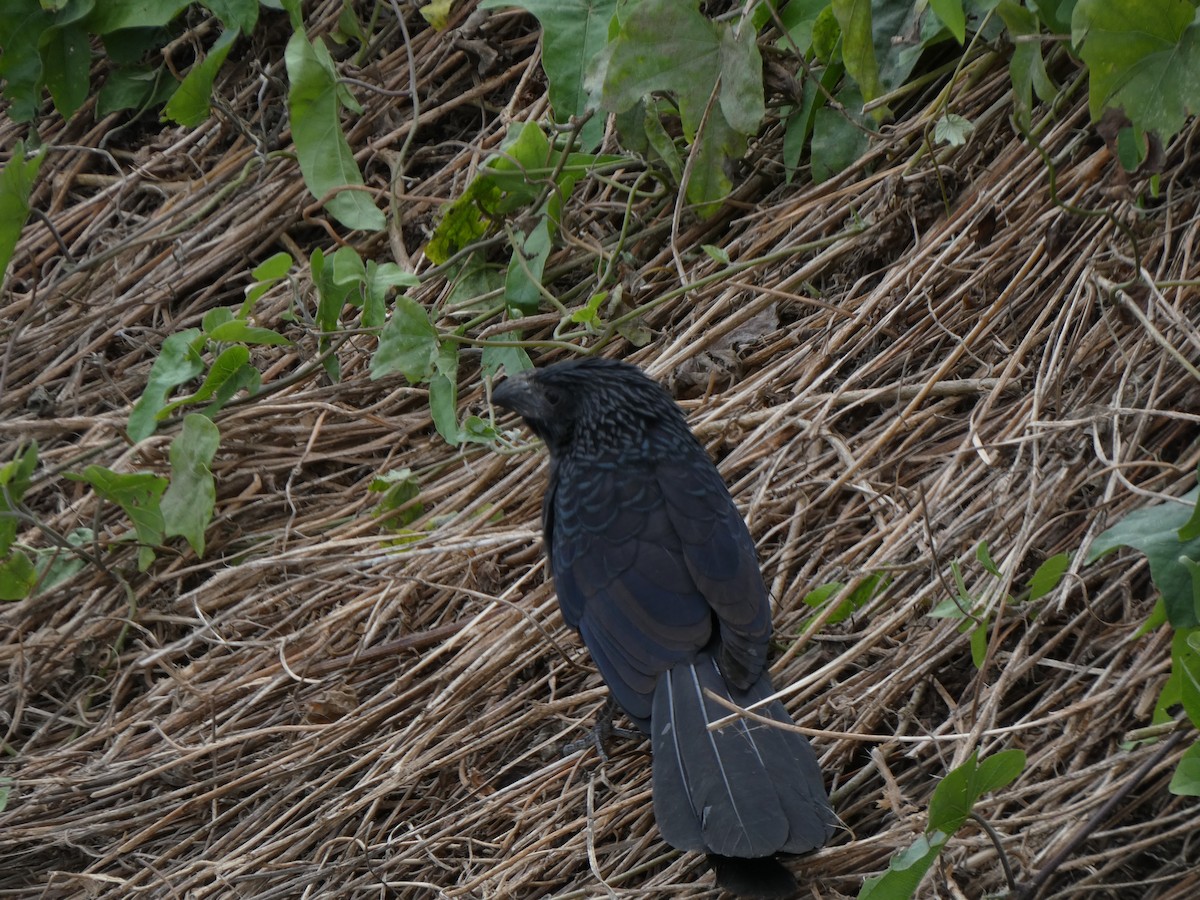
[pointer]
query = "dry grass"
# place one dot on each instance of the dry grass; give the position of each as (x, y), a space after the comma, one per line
(312, 711)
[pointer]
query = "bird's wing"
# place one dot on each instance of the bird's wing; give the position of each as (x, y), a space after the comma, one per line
(622, 579)
(643, 554)
(719, 554)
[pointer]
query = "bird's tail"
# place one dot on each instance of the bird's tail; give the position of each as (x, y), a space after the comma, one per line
(740, 793)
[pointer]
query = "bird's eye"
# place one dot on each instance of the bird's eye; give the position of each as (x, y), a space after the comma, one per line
(553, 396)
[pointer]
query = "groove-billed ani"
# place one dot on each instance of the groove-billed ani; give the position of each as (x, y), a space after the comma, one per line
(656, 569)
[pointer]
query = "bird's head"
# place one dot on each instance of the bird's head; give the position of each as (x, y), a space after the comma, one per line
(593, 402)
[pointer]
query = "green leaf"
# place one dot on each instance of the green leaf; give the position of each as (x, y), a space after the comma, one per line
(1186, 780)
(408, 343)
(67, 61)
(1048, 575)
(798, 19)
(1143, 58)
(1154, 621)
(950, 608)
(244, 378)
(134, 87)
(953, 130)
(266, 275)
(109, 16)
(463, 222)
(326, 161)
(188, 503)
(1190, 530)
(16, 184)
(380, 279)
(443, 393)
(514, 168)
(979, 643)
(1154, 530)
(240, 330)
(523, 284)
(951, 801)
(17, 576)
(178, 362)
(837, 141)
(573, 33)
(957, 793)
(685, 58)
(952, 16)
(659, 141)
(998, 771)
(741, 95)
(476, 431)
(398, 488)
(589, 313)
(214, 319)
(985, 559)
(513, 359)
(226, 367)
(56, 565)
(437, 13)
(709, 184)
(869, 588)
(190, 104)
(138, 494)
(273, 268)
(905, 871)
(15, 476)
(339, 279)
(1027, 68)
(715, 253)
(858, 47)
(1185, 668)
(241, 15)
(21, 28)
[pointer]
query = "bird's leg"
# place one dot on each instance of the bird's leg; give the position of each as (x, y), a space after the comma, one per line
(600, 733)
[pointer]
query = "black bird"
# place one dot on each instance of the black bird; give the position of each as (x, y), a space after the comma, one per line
(656, 569)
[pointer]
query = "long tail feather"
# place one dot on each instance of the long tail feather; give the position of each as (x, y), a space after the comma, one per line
(746, 790)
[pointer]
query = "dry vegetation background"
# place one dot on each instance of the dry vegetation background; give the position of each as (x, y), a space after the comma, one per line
(309, 711)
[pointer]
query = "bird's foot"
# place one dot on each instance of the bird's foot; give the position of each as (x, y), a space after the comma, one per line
(602, 732)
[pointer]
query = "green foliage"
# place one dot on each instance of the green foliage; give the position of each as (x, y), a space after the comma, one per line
(48, 47)
(315, 99)
(973, 611)
(1169, 535)
(139, 494)
(225, 335)
(665, 45)
(16, 183)
(159, 507)
(1186, 780)
(189, 105)
(573, 33)
(526, 173)
(1143, 58)
(870, 587)
(399, 488)
(56, 565)
(1182, 689)
(187, 505)
(953, 800)
(342, 280)
(17, 573)
(1027, 68)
